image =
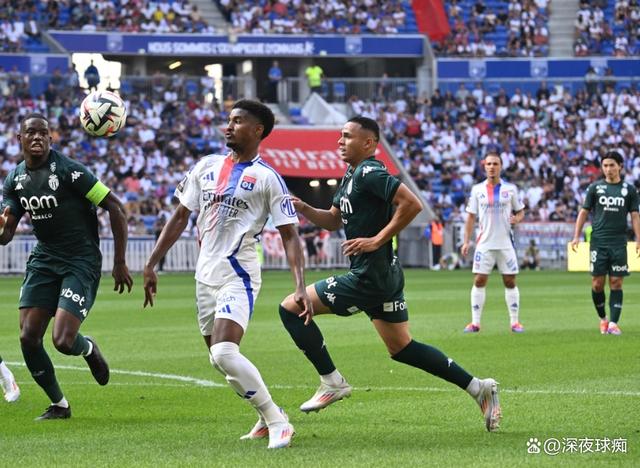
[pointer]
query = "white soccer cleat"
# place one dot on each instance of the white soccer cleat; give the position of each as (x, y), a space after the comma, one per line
(259, 431)
(280, 435)
(326, 395)
(489, 404)
(10, 388)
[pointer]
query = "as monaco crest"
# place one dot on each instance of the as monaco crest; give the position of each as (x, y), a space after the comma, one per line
(53, 182)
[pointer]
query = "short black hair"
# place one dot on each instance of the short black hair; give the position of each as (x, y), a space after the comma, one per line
(260, 112)
(32, 115)
(495, 154)
(367, 124)
(615, 155)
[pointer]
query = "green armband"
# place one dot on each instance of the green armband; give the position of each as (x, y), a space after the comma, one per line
(97, 193)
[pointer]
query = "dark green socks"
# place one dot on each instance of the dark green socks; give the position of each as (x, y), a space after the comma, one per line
(598, 301)
(310, 341)
(615, 305)
(80, 346)
(42, 371)
(433, 361)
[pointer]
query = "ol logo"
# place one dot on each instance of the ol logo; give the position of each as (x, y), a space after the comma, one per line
(248, 183)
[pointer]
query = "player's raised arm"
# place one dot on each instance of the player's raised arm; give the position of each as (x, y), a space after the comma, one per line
(170, 234)
(327, 219)
(118, 220)
(295, 258)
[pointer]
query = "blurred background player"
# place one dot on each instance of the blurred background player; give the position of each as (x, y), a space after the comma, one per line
(610, 200)
(8, 383)
(235, 193)
(364, 205)
(495, 204)
(64, 268)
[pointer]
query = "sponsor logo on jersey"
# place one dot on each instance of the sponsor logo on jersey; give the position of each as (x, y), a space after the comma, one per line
(353, 310)
(69, 294)
(504, 194)
(20, 177)
(32, 204)
(52, 167)
(210, 176)
(212, 197)
(619, 268)
(394, 306)
(611, 203)
(367, 169)
(248, 183)
(345, 205)
(349, 187)
(54, 183)
(19, 186)
(331, 282)
(286, 206)
(84, 312)
(180, 187)
(75, 175)
(330, 297)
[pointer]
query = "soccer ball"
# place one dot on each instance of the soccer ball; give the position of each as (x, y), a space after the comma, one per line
(102, 113)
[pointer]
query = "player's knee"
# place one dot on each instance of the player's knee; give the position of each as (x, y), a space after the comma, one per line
(510, 283)
(286, 314)
(223, 355)
(63, 343)
(29, 341)
(289, 305)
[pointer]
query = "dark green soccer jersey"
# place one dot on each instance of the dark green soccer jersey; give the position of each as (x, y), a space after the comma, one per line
(610, 204)
(364, 200)
(61, 198)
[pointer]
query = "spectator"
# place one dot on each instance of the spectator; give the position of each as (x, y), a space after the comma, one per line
(92, 76)
(314, 77)
(275, 77)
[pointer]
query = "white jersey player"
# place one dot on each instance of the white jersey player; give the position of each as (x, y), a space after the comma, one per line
(234, 195)
(496, 205)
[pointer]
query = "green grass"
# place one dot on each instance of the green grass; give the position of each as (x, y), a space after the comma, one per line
(560, 379)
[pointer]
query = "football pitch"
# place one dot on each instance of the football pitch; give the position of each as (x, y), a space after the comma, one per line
(564, 387)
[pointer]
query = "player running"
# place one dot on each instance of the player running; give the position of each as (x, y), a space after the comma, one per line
(374, 284)
(234, 194)
(495, 204)
(63, 270)
(610, 200)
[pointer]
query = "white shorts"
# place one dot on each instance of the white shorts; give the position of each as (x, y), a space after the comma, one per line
(485, 260)
(233, 300)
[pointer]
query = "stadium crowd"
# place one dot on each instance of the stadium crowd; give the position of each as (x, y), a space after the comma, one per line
(318, 17)
(607, 27)
(488, 28)
(23, 19)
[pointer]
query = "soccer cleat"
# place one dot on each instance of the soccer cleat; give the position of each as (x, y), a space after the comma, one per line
(613, 329)
(325, 395)
(471, 328)
(97, 364)
(55, 412)
(280, 435)
(604, 326)
(10, 388)
(517, 328)
(259, 431)
(489, 404)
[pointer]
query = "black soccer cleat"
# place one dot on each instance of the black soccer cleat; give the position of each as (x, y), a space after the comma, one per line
(55, 412)
(97, 364)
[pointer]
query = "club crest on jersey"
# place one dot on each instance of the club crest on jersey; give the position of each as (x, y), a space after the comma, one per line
(624, 191)
(248, 183)
(54, 183)
(505, 194)
(52, 167)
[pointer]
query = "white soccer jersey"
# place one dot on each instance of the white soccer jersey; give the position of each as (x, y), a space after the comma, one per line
(493, 205)
(234, 201)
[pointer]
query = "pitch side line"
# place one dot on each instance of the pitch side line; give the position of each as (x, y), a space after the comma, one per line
(211, 383)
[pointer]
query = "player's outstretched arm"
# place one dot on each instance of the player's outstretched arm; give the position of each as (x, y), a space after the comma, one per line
(170, 234)
(295, 257)
(118, 220)
(407, 207)
(580, 220)
(327, 219)
(8, 225)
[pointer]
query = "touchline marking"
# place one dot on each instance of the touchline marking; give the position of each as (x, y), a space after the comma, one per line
(211, 383)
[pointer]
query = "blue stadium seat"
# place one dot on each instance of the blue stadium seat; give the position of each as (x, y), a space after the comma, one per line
(339, 91)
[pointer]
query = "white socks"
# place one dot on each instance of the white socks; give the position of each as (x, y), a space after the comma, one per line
(478, 296)
(245, 379)
(473, 388)
(62, 403)
(334, 379)
(5, 373)
(512, 298)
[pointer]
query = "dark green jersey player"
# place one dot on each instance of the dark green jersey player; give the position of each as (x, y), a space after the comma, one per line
(610, 201)
(372, 206)
(63, 270)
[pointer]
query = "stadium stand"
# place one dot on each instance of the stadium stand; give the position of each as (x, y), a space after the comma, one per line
(488, 28)
(607, 27)
(319, 17)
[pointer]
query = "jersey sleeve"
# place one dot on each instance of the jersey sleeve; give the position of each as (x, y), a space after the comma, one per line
(188, 190)
(516, 203)
(472, 203)
(10, 198)
(589, 198)
(379, 182)
(82, 181)
(280, 204)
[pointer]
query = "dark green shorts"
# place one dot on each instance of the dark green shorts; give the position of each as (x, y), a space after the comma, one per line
(610, 261)
(71, 292)
(346, 295)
